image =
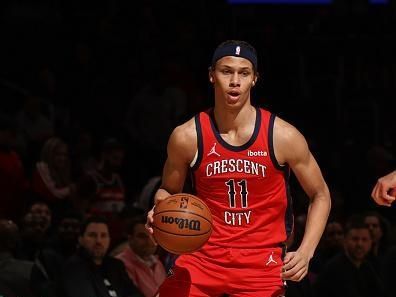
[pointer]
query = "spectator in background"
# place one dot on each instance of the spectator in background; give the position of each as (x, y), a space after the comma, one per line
(127, 215)
(14, 273)
(13, 183)
(33, 236)
(50, 259)
(51, 179)
(349, 274)
(90, 272)
(42, 210)
(143, 265)
(34, 126)
(110, 192)
(82, 153)
(65, 240)
(379, 229)
(332, 243)
(388, 270)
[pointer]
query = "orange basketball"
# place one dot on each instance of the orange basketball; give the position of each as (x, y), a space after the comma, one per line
(182, 223)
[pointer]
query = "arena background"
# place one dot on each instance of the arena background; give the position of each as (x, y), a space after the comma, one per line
(135, 69)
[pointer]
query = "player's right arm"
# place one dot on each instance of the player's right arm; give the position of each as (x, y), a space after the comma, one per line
(181, 149)
(381, 190)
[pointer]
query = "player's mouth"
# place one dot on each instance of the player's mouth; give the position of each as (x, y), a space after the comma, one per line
(233, 95)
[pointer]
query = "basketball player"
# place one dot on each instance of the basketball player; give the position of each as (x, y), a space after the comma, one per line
(240, 157)
(381, 191)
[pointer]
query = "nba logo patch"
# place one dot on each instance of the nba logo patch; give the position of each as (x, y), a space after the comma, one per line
(237, 50)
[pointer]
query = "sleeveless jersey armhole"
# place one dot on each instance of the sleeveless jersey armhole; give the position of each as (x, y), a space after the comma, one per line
(271, 144)
(198, 155)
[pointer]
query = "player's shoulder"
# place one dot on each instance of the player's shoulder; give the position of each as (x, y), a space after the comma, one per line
(184, 136)
(185, 131)
(286, 135)
(284, 129)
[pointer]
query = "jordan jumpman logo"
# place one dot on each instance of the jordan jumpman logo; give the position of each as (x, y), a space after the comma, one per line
(213, 151)
(271, 259)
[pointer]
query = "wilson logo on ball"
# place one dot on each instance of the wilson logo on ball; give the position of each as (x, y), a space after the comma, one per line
(182, 223)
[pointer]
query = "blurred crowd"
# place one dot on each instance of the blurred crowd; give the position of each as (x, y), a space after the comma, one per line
(91, 90)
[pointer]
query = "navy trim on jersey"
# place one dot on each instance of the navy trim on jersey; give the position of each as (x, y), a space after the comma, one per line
(230, 147)
(271, 143)
(289, 219)
(198, 128)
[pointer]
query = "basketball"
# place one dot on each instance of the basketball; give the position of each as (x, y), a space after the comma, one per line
(182, 223)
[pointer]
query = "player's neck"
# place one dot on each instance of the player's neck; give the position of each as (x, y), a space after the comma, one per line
(234, 119)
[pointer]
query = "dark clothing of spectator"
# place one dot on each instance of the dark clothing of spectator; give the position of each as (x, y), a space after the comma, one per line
(340, 277)
(81, 278)
(13, 185)
(15, 275)
(388, 271)
(46, 273)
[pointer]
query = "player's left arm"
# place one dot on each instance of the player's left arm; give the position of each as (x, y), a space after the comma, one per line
(292, 148)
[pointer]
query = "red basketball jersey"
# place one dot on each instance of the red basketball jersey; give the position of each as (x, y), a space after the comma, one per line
(244, 186)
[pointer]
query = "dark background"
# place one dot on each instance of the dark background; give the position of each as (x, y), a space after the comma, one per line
(328, 69)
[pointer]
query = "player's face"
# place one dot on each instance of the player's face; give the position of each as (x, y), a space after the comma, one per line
(96, 240)
(233, 77)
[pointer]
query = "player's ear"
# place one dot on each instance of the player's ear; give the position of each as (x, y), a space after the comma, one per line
(211, 78)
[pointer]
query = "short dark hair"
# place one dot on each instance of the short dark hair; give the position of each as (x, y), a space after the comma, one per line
(93, 219)
(135, 221)
(355, 222)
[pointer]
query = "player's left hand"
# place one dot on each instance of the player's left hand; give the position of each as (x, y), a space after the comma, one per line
(295, 266)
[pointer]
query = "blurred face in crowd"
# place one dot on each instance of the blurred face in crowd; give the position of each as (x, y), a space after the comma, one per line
(373, 223)
(69, 229)
(42, 210)
(141, 242)
(96, 241)
(34, 227)
(114, 159)
(357, 244)
(61, 157)
(334, 234)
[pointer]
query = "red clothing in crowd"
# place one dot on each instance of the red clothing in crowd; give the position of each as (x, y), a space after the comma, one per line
(146, 275)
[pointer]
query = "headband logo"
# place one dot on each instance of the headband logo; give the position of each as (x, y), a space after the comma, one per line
(237, 50)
